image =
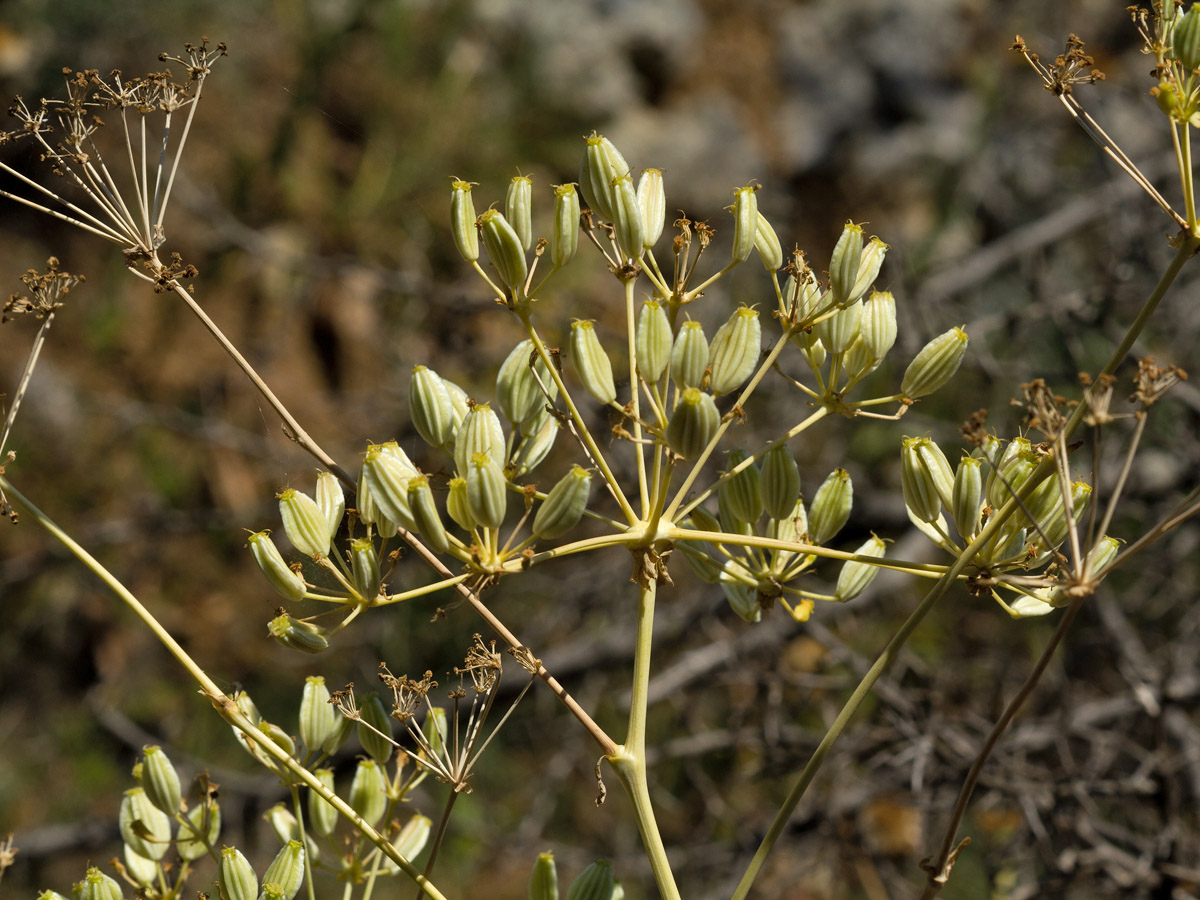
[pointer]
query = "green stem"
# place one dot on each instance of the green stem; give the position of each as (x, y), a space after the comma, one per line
(224, 704)
(1187, 247)
(629, 760)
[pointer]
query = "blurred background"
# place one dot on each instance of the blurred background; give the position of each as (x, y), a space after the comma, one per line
(314, 201)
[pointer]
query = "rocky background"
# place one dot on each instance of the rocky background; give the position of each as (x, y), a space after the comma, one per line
(314, 204)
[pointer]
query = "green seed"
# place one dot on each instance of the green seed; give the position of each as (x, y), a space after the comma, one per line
(693, 424)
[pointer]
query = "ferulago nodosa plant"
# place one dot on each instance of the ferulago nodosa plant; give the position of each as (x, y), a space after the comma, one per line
(626, 442)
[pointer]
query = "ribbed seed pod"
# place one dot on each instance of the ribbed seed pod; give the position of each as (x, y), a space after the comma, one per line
(425, 515)
(411, 840)
(855, 576)
(734, 351)
(456, 504)
(534, 448)
(375, 729)
(331, 500)
(745, 222)
(430, 406)
(1015, 467)
(652, 201)
(564, 240)
(236, 876)
(792, 528)
(868, 267)
(286, 871)
(838, 332)
(98, 886)
(692, 424)
(462, 220)
(920, 494)
(304, 523)
(504, 248)
(766, 243)
(780, 481)
(844, 264)
(968, 496)
(1186, 40)
(434, 728)
(564, 505)
(742, 492)
(143, 871)
(831, 506)
(368, 791)
(486, 491)
(341, 733)
(369, 512)
(316, 715)
(480, 433)
(594, 883)
(935, 364)
(322, 817)
(653, 341)
(1052, 520)
(364, 567)
(518, 208)
(154, 824)
(543, 880)
(297, 635)
(160, 780)
(602, 164)
(700, 561)
(689, 356)
(743, 600)
(200, 832)
(387, 476)
(627, 217)
(462, 405)
(591, 362)
(517, 391)
(878, 326)
(857, 362)
(50, 895)
(935, 462)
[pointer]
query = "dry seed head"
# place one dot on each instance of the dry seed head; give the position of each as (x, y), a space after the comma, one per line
(518, 208)
(693, 423)
(322, 817)
(652, 202)
(591, 362)
(564, 505)
(935, 364)
(653, 341)
(734, 350)
(286, 582)
(462, 220)
(689, 356)
(564, 240)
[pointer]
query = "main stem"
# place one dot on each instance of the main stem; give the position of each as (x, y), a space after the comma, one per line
(629, 760)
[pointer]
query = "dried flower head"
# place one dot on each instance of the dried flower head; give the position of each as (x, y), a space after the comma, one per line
(45, 292)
